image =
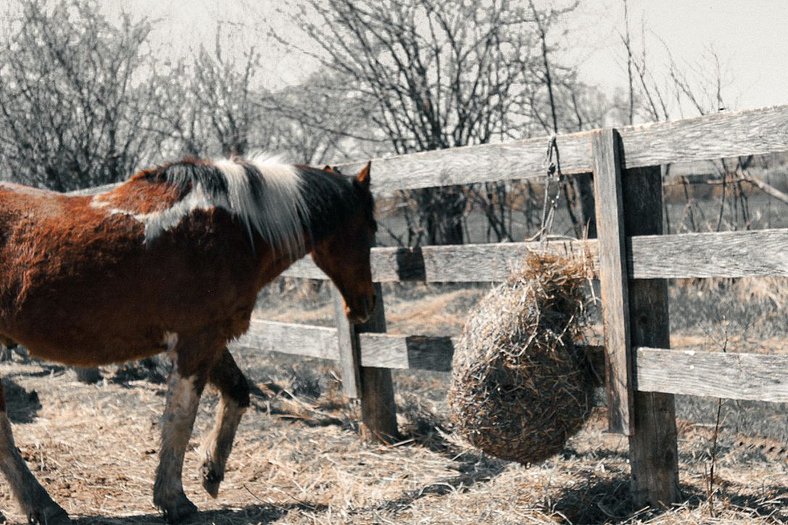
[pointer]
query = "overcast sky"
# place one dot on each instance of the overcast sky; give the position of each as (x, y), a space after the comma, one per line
(749, 37)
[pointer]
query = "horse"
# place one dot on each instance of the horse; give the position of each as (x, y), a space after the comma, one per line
(171, 260)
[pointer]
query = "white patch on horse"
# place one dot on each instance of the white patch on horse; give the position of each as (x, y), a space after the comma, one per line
(170, 341)
(161, 221)
(276, 214)
(98, 202)
(27, 190)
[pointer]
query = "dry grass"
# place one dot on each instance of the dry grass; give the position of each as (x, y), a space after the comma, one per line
(300, 461)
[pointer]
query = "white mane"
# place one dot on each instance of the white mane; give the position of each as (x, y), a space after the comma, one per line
(276, 213)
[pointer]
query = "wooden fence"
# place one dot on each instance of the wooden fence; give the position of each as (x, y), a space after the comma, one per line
(632, 259)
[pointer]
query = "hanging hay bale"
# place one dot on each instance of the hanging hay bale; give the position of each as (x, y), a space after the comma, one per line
(520, 387)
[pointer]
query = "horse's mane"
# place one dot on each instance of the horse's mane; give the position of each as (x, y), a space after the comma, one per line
(278, 201)
(264, 193)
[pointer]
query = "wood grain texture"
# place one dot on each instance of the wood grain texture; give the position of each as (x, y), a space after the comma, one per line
(416, 352)
(347, 348)
(613, 278)
(723, 254)
(653, 449)
(704, 138)
(463, 263)
(378, 350)
(686, 371)
(289, 338)
(471, 164)
(726, 375)
(726, 134)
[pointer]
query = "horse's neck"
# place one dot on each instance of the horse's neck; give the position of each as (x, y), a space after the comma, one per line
(329, 203)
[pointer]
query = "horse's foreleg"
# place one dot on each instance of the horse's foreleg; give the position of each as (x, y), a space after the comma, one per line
(32, 497)
(183, 397)
(234, 390)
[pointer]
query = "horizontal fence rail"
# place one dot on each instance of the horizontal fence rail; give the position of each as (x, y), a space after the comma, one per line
(693, 372)
(728, 375)
(723, 254)
(722, 135)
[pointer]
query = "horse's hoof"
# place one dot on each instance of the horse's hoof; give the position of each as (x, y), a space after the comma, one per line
(179, 510)
(211, 480)
(50, 515)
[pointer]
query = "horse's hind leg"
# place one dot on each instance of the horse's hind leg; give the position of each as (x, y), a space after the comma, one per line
(234, 390)
(32, 497)
(183, 397)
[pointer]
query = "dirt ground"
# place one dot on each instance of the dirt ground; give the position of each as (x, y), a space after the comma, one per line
(299, 459)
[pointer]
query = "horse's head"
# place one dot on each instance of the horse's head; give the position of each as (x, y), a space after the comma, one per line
(344, 253)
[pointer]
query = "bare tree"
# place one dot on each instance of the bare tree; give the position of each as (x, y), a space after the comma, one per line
(72, 103)
(319, 120)
(698, 88)
(436, 74)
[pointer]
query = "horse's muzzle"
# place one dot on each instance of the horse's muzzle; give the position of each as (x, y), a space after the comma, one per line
(361, 313)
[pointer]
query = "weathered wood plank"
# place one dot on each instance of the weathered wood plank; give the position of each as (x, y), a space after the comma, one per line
(347, 348)
(721, 135)
(723, 254)
(684, 371)
(464, 263)
(378, 350)
(653, 448)
(407, 352)
(290, 338)
(717, 374)
(613, 279)
(703, 138)
(471, 164)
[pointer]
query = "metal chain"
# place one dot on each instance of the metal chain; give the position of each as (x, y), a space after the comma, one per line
(553, 163)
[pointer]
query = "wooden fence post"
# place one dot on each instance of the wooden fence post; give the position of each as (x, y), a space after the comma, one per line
(635, 314)
(613, 280)
(373, 386)
(653, 449)
(378, 410)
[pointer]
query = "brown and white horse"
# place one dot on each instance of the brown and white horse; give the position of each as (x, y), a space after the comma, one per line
(171, 260)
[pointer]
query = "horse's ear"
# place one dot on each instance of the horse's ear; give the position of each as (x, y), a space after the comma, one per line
(363, 176)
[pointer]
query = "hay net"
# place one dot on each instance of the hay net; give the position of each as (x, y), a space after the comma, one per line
(520, 385)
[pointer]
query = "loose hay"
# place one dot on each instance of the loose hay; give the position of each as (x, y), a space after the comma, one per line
(520, 387)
